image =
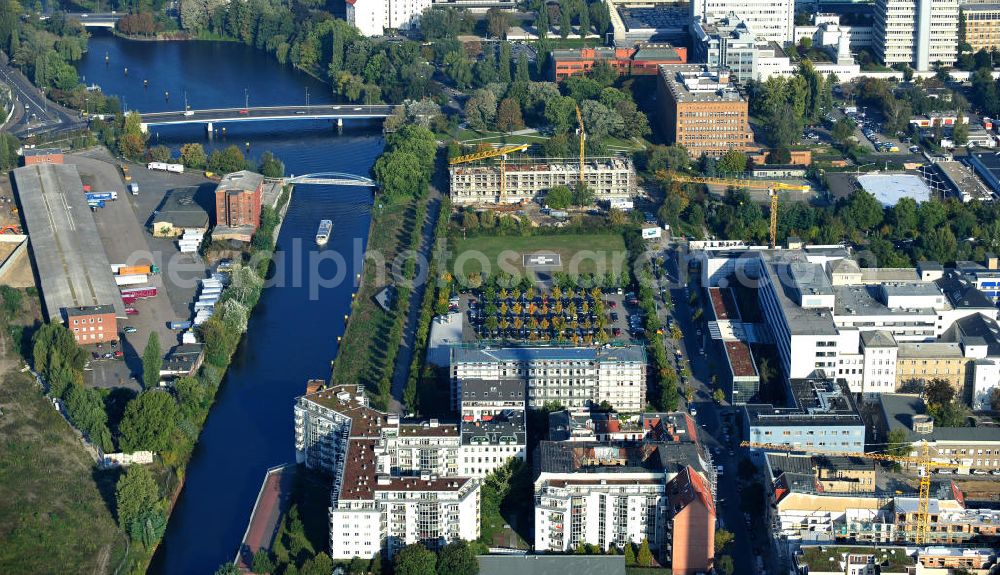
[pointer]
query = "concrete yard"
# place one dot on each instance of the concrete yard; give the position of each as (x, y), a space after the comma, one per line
(121, 226)
(65, 244)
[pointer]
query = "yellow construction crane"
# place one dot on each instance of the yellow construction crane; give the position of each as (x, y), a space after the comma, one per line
(502, 153)
(774, 218)
(733, 182)
(923, 461)
(583, 139)
(772, 188)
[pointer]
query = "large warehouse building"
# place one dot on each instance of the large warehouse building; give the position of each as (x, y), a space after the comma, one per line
(609, 178)
(68, 254)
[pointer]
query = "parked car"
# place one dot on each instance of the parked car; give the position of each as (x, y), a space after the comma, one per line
(130, 329)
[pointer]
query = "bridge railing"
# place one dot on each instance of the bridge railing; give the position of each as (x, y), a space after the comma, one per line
(317, 107)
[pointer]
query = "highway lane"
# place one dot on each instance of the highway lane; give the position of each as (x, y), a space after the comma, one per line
(37, 113)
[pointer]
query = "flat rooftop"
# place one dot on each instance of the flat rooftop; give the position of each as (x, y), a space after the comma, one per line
(626, 353)
(697, 83)
(816, 402)
(740, 359)
(898, 410)
(814, 321)
(724, 304)
(180, 209)
(241, 181)
(963, 179)
(890, 188)
(929, 350)
(660, 17)
(69, 256)
(507, 428)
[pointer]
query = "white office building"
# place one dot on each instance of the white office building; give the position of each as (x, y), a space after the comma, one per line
(373, 17)
(772, 20)
(919, 33)
(820, 307)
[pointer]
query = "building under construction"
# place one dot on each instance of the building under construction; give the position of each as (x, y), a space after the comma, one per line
(529, 179)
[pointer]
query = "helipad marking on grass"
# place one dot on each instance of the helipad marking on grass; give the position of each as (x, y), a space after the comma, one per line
(541, 260)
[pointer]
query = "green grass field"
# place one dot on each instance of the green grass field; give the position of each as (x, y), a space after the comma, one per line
(608, 250)
(52, 516)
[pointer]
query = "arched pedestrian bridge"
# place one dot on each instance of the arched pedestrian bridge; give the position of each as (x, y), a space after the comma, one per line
(333, 179)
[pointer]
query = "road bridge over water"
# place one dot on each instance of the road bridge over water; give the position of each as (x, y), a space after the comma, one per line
(337, 112)
(96, 20)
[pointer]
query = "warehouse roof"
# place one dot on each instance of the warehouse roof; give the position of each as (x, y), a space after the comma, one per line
(180, 210)
(68, 253)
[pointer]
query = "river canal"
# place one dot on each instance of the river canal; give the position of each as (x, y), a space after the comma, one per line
(292, 336)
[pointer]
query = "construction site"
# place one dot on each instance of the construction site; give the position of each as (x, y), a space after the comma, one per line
(493, 178)
(530, 178)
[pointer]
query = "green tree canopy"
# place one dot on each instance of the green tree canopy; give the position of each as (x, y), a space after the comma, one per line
(415, 559)
(270, 166)
(149, 422)
(152, 361)
(457, 558)
(559, 198)
(136, 494)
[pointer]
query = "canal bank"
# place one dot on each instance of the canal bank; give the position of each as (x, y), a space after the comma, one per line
(292, 333)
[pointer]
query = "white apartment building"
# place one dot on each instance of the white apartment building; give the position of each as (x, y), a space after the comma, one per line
(773, 21)
(393, 483)
(606, 495)
(386, 514)
(373, 17)
(493, 425)
(818, 303)
(919, 33)
(575, 377)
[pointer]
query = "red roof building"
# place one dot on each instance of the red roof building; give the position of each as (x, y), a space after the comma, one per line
(642, 60)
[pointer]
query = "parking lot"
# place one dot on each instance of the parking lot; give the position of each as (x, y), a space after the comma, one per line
(623, 319)
(122, 229)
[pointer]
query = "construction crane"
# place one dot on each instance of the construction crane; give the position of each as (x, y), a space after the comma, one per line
(774, 217)
(499, 152)
(923, 461)
(583, 139)
(772, 188)
(733, 182)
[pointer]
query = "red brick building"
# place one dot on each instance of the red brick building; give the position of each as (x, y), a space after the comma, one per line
(92, 324)
(642, 60)
(42, 156)
(693, 533)
(238, 200)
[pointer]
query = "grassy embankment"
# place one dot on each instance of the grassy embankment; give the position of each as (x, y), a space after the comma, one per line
(55, 516)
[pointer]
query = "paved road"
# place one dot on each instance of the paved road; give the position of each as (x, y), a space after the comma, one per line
(34, 113)
(267, 113)
(404, 357)
(717, 422)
